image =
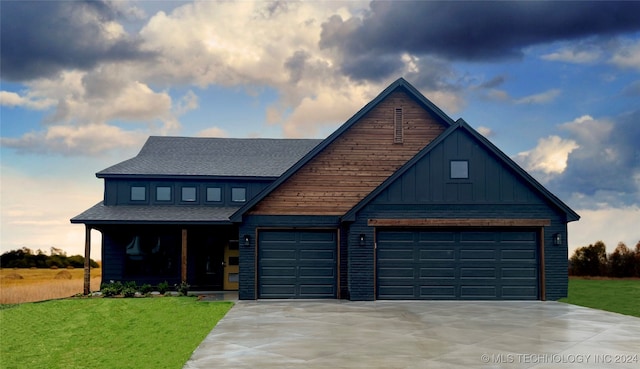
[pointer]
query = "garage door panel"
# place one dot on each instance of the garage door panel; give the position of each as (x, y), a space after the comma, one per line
(477, 254)
(297, 264)
(436, 254)
(484, 265)
(436, 237)
(437, 273)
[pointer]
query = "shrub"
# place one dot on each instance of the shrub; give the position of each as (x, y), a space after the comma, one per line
(163, 287)
(183, 288)
(111, 289)
(145, 288)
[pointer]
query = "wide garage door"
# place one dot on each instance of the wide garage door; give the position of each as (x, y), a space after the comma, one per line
(297, 264)
(457, 265)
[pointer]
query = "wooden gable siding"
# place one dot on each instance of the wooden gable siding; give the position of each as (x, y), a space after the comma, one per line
(356, 163)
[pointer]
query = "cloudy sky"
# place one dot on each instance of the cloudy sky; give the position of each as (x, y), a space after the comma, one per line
(555, 85)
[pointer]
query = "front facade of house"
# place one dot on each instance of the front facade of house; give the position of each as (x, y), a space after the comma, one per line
(401, 202)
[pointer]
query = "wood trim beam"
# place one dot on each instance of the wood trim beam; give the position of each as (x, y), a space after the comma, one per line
(459, 222)
(87, 260)
(183, 268)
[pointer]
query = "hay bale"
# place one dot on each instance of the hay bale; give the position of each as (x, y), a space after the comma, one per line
(63, 275)
(13, 276)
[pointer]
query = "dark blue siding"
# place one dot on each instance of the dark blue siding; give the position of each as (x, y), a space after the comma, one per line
(118, 191)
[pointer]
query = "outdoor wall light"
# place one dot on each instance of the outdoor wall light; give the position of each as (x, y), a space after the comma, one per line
(362, 239)
(246, 240)
(557, 239)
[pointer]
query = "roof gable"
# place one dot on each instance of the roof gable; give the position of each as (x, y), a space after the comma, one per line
(461, 126)
(352, 152)
(222, 157)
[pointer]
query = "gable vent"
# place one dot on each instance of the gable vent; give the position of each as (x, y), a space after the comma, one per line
(397, 131)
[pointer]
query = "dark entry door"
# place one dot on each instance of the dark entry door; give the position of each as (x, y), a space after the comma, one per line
(297, 264)
(416, 264)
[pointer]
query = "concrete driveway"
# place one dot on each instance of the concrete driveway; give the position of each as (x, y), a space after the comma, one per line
(424, 334)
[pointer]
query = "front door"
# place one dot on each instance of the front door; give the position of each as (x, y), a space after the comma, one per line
(231, 265)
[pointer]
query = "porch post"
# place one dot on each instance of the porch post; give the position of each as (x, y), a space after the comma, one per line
(87, 260)
(183, 273)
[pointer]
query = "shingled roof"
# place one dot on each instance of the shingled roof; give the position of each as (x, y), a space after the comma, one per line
(225, 157)
(142, 214)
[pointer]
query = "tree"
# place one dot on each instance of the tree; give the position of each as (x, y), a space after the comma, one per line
(590, 260)
(622, 262)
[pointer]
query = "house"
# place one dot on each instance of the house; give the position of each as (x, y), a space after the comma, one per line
(401, 202)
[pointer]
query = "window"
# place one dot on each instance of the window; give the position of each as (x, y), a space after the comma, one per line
(214, 194)
(138, 193)
(459, 169)
(238, 194)
(163, 193)
(188, 194)
(397, 128)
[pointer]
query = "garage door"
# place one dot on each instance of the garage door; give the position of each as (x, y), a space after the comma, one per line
(457, 265)
(297, 264)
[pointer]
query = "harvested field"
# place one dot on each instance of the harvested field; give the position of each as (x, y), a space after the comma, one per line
(30, 285)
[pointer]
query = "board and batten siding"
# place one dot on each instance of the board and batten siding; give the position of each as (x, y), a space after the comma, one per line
(356, 162)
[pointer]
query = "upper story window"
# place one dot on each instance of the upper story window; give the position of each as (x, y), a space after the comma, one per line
(459, 169)
(189, 194)
(238, 194)
(163, 193)
(138, 193)
(214, 194)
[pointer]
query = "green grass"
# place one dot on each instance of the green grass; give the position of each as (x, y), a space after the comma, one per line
(106, 333)
(616, 295)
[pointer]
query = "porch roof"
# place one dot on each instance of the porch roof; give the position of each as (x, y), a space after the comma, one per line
(134, 214)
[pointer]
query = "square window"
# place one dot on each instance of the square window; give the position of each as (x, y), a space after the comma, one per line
(459, 169)
(138, 193)
(214, 194)
(238, 194)
(188, 194)
(163, 193)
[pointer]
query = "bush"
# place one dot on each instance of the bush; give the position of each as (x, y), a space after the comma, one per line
(163, 287)
(145, 288)
(111, 289)
(182, 288)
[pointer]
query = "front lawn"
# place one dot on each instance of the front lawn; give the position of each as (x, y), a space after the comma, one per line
(106, 333)
(616, 295)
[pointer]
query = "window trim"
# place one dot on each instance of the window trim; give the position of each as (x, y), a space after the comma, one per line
(451, 169)
(195, 194)
(170, 194)
(220, 192)
(144, 193)
(244, 199)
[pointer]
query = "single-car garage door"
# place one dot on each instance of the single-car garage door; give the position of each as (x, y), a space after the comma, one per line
(457, 265)
(297, 264)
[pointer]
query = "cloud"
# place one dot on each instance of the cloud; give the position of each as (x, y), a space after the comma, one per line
(549, 156)
(12, 99)
(545, 97)
(213, 132)
(470, 31)
(485, 131)
(91, 139)
(610, 225)
(541, 98)
(628, 55)
(604, 170)
(575, 56)
(40, 39)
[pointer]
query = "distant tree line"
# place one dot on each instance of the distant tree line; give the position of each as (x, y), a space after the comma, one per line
(593, 261)
(27, 258)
